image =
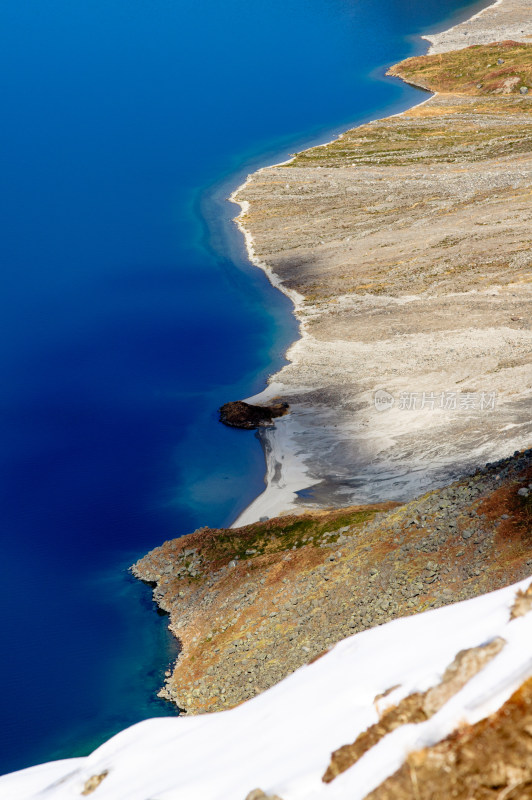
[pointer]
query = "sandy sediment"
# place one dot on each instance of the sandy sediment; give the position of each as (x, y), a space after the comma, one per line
(405, 245)
(503, 19)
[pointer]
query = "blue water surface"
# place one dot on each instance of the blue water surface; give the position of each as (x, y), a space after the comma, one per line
(129, 312)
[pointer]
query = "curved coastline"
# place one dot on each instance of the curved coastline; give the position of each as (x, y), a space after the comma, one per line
(133, 759)
(286, 473)
(289, 468)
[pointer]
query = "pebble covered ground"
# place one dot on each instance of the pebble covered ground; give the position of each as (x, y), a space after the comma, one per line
(408, 243)
(250, 605)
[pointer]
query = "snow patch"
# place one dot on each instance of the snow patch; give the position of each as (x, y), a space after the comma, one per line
(282, 740)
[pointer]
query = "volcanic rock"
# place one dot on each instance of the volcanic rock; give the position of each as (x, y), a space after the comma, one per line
(238, 414)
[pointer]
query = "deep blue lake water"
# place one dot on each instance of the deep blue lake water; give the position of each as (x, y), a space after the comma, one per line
(129, 312)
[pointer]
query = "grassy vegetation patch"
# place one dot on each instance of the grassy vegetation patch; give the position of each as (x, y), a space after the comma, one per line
(498, 68)
(422, 140)
(499, 78)
(285, 533)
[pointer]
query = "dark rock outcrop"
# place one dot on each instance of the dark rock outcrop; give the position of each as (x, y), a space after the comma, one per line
(238, 414)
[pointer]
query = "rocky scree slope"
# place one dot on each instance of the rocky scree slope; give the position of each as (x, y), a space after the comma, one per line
(251, 605)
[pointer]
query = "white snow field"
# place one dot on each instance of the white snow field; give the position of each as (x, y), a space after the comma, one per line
(281, 741)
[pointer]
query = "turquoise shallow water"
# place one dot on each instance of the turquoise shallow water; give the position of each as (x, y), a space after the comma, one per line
(129, 312)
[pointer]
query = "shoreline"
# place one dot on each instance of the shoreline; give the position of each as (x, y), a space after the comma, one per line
(287, 473)
(325, 576)
(430, 36)
(284, 478)
(273, 736)
(252, 605)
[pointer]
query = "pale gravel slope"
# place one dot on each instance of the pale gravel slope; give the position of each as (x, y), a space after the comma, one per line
(408, 244)
(505, 19)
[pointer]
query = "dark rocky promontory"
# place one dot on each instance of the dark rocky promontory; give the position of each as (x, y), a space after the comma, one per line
(238, 414)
